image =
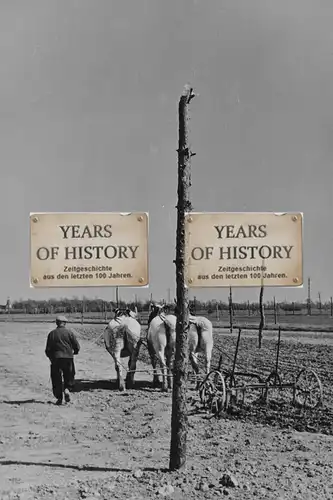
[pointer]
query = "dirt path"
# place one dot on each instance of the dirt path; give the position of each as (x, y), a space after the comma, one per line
(107, 444)
(34, 430)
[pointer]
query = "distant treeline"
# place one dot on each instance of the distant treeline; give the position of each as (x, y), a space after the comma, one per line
(86, 305)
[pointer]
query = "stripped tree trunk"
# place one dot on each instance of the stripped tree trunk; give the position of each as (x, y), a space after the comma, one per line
(179, 418)
(231, 310)
(262, 315)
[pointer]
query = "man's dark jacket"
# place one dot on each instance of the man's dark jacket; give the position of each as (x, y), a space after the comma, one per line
(61, 343)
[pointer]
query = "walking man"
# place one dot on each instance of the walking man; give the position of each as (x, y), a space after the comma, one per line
(61, 346)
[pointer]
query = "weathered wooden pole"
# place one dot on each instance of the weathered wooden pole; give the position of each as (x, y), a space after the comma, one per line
(275, 312)
(8, 307)
(262, 315)
(309, 297)
(230, 310)
(179, 418)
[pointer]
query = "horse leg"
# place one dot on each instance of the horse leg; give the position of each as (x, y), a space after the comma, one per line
(169, 357)
(208, 349)
(153, 359)
(118, 347)
(132, 366)
(208, 358)
(129, 375)
(119, 370)
(195, 366)
(164, 371)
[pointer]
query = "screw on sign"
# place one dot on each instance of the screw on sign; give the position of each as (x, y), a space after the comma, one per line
(227, 249)
(89, 249)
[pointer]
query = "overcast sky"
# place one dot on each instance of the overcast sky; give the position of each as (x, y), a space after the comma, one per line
(89, 93)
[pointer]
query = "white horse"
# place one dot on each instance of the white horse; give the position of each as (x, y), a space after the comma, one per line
(161, 340)
(200, 340)
(122, 340)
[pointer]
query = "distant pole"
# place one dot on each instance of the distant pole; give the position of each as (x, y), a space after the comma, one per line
(8, 307)
(319, 303)
(331, 300)
(179, 418)
(262, 315)
(275, 312)
(230, 309)
(309, 296)
(169, 296)
(117, 296)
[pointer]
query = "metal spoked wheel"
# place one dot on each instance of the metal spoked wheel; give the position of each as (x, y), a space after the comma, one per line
(206, 391)
(213, 392)
(308, 389)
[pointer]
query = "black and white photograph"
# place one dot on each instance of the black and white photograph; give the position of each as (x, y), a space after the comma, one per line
(166, 292)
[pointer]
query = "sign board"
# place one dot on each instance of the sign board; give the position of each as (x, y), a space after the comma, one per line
(243, 249)
(88, 249)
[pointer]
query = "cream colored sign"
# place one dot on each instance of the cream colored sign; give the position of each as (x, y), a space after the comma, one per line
(88, 249)
(244, 249)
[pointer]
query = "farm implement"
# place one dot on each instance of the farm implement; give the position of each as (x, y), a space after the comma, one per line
(223, 388)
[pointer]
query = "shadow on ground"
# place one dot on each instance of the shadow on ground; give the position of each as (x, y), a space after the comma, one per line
(25, 401)
(82, 385)
(76, 467)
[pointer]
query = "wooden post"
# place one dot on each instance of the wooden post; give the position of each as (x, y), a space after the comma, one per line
(275, 312)
(262, 315)
(309, 297)
(117, 296)
(230, 310)
(319, 303)
(179, 418)
(8, 307)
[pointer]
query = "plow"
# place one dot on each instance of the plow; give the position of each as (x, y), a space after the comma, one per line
(222, 388)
